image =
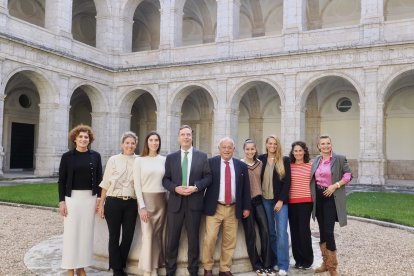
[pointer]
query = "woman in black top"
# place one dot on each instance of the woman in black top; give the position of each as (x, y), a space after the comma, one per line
(80, 173)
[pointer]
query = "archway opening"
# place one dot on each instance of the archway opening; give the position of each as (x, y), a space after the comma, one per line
(84, 21)
(21, 123)
(332, 108)
(260, 114)
(398, 129)
(143, 117)
(146, 28)
(32, 11)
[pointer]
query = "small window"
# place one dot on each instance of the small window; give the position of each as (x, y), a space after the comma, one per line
(343, 104)
(25, 101)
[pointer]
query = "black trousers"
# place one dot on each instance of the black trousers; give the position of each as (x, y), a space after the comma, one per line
(326, 216)
(258, 216)
(300, 233)
(119, 214)
(175, 221)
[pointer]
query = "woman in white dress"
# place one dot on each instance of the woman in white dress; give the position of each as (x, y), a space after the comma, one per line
(149, 169)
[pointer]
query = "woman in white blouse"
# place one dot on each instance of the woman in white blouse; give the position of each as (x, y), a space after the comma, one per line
(149, 169)
(119, 202)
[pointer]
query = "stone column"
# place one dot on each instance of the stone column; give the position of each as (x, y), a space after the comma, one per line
(225, 119)
(256, 131)
(4, 12)
(294, 18)
(372, 20)
(228, 21)
(53, 130)
(290, 129)
(102, 128)
(161, 115)
(58, 19)
(371, 160)
(4, 6)
(58, 16)
(113, 32)
(2, 97)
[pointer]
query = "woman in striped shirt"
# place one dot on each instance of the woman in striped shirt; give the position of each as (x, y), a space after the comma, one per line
(300, 205)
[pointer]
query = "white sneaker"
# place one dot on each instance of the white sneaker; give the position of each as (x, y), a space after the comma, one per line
(276, 268)
(282, 272)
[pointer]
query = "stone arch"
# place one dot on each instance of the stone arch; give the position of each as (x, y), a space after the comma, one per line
(146, 26)
(235, 97)
(32, 11)
(199, 21)
(43, 84)
(335, 13)
(392, 80)
(398, 99)
(20, 119)
(84, 21)
(99, 102)
(194, 104)
(321, 112)
(138, 112)
(259, 104)
(397, 10)
(311, 83)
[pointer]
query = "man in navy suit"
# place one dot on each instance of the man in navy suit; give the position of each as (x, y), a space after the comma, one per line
(227, 199)
(187, 174)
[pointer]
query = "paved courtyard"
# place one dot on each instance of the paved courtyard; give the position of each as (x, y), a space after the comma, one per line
(31, 243)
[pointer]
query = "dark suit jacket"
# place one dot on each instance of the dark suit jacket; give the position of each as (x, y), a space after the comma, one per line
(200, 176)
(281, 187)
(243, 201)
(66, 173)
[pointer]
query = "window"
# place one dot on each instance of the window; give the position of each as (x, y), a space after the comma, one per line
(343, 104)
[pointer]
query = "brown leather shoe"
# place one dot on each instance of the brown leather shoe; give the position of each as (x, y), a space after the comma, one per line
(208, 272)
(226, 273)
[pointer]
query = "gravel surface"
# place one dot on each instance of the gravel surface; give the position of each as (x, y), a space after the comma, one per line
(363, 248)
(20, 229)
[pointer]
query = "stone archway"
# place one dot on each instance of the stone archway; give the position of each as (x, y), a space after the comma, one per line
(332, 107)
(32, 11)
(146, 27)
(84, 21)
(20, 123)
(398, 127)
(260, 113)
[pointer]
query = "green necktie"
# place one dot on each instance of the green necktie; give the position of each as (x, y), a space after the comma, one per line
(184, 168)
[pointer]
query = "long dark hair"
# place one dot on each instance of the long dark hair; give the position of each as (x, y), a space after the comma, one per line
(301, 144)
(145, 150)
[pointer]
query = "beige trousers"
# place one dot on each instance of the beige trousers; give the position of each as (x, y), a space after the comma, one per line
(226, 216)
(152, 249)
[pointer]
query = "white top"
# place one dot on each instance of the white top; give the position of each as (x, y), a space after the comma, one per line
(148, 174)
(223, 181)
(118, 179)
(190, 158)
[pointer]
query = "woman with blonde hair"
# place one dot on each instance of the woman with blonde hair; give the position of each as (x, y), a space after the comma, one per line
(275, 177)
(330, 174)
(119, 204)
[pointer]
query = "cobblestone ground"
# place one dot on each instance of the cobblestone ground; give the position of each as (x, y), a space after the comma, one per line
(363, 248)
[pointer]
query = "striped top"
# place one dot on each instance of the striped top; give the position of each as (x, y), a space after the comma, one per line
(300, 186)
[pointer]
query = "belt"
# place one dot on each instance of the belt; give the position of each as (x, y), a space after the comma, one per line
(123, 197)
(224, 204)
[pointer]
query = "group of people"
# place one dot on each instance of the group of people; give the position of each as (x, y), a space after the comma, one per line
(268, 190)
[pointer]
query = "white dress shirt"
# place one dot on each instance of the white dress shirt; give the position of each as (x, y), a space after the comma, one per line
(223, 181)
